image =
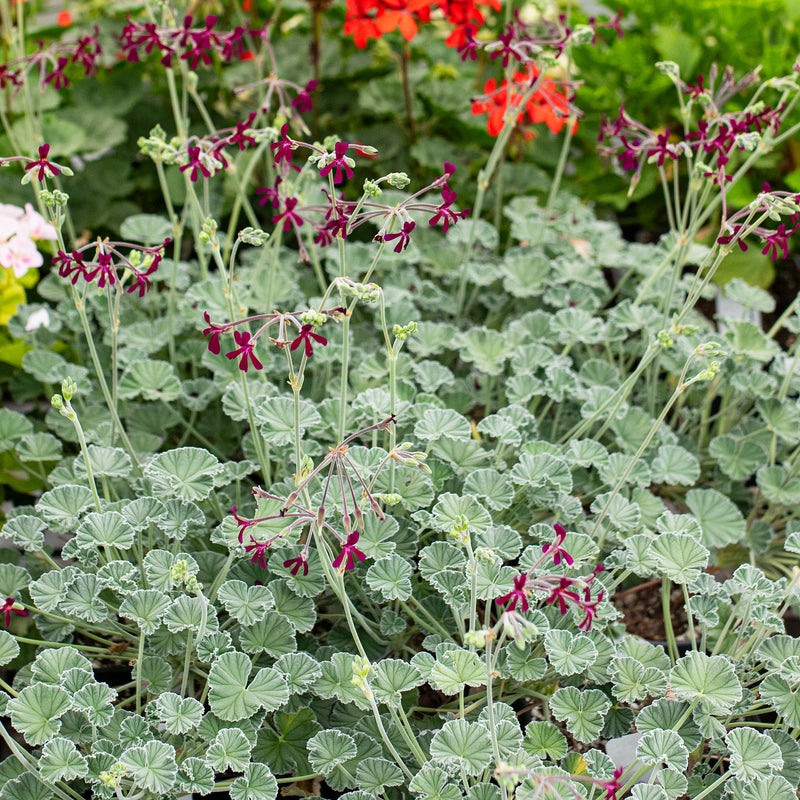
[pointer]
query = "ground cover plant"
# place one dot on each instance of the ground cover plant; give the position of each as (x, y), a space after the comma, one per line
(320, 480)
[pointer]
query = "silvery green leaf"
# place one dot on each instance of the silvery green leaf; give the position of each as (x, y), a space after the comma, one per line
(738, 457)
(639, 555)
(187, 613)
(492, 486)
(666, 714)
(119, 576)
(587, 453)
(179, 715)
(525, 276)
(330, 748)
(158, 566)
(775, 787)
(392, 623)
(38, 447)
(648, 791)
(150, 229)
(576, 325)
(518, 661)
(746, 339)
(663, 747)
(211, 645)
(111, 462)
(781, 418)
(754, 756)
(394, 676)
(142, 511)
(440, 556)
(463, 455)
(95, 700)
(73, 680)
(62, 506)
(463, 744)
(633, 681)
(13, 426)
(299, 669)
(274, 635)
(233, 696)
(391, 576)
(543, 739)
(680, 557)
(720, 520)
(622, 515)
(150, 379)
(195, 776)
(487, 349)
(109, 529)
(790, 753)
(500, 427)
(433, 783)
(492, 578)
(778, 651)
(430, 375)
(82, 599)
(146, 607)
(26, 531)
(151, 766)
(569, 654)
(37, 711)
(9, 648)
(647, 654)
(414, 486)
(257, 783)
(300, 611)
(60, 760)
(437, 422)
(50, 665)
(779, 485)
(246, 604)
(542, 469)
(582, 710)
(188, 472)
(373, 774)
(712, 679)
(229, 750)
(26, 787)
(451, 509)
(282, 743)
(179, 518)
(752, 297)
(456, 669)
(675, 466)
(277, 418)
(780, 695)
(502, 540)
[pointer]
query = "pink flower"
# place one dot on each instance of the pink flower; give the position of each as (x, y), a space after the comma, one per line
(20, 254)
(557, 550)
(516, 595)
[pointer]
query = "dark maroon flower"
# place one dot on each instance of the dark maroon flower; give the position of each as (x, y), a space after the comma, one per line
(105, 269)
(46, 168)
(779, 239)
(213, 345)
(303, 100)
(259, 551)
(243, 523)
(305, 337)
(8, 607)
(246, 351)
(288, 215)
(239, 136)
(270, 194)
(695, 89)
(507, 49)
(349, 553)
(516, 595)
(57, 76)
(562, 593)
(283, 149)
(70, 265)
(404, 235)
(195, 163)
(556, 549)
(339, 161)
(297, 563)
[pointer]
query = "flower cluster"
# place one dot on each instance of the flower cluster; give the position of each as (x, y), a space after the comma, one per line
(347, 475)
(716, 135)
(550, 103)
(193, 45)
(287, 324)
(20, 229)
(52, 61)
(110, 266)
(567, 592)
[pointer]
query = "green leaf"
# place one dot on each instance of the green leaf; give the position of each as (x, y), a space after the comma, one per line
(663, 747)
(95, 700)
(146, 607)
(633, 681)
(437, 422)
(50, 665)
(13, 426)
(622, 515)
(456, 669)
(492, 486)
(781, 418)
(232, 697)
(679, 556)
(710, 678)
(665, 714)
(246, 604)
(111, 462)
(62, 506)
(187, 613)
(257, 783)
(738, 457)
(179, 715)
(300, 611)
(109, 529)
(39, 447)
(779, 485)
(273, 635)
(188, 472)
(26, 531)
(775, 787)
(195, 776)
(26, 787)
(720, 520)
(754, 756)
(328, 749)
(373, 774)
(9, 648)
(282, 743)
(277, 417)
(747, 339)
(393, 677)
(676, 466)
(433, 783)
(451, 509)
(582, 710)
(543, 739)
(152, 380)
(229, 750)
(60, 760)
(36, 713)
(466, 745)
(151, 766)
(149, 229)
(569, 654)
(391, 576)
(299, 669)
(487, 349)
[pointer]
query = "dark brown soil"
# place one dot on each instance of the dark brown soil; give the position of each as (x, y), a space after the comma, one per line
(641, 611)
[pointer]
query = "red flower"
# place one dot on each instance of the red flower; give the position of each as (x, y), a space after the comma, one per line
(46, 168)
(296, 564)
(246, 350)
(259, 551)
(64, 18)
(349, 553)
(556, 548)
(516, 595)
(306, 335)
(8, 607)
